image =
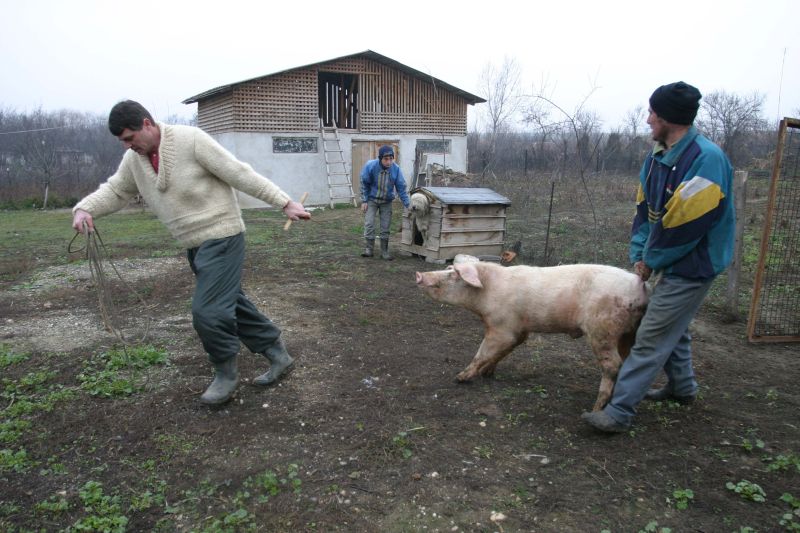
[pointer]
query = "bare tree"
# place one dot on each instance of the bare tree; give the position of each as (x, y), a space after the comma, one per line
(500, 87)
(39, 148)
(52, 157)
(547, 131)
(634, 120)
(581, 125)
(635, 139)
(728, 118)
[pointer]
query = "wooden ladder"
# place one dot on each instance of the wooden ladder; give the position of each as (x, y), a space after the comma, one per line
(340, 186)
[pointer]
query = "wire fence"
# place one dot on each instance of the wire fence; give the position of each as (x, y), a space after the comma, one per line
(775, 307)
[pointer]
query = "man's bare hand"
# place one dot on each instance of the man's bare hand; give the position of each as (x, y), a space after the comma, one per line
(642, 270)
(79, 218)
(295, 211)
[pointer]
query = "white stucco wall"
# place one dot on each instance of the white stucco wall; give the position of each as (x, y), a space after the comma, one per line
(297, 173)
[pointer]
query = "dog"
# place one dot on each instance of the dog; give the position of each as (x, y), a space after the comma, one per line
(420, 211)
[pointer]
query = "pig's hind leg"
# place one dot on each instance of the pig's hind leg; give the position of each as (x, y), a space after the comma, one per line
(494, 347)
(609, 360)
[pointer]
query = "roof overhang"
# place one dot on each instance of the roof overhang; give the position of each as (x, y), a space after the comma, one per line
(369, 54)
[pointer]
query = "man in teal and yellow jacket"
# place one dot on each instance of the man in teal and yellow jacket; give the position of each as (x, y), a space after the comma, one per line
(684, 231)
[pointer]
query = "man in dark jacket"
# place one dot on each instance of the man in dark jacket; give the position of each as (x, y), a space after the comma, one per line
(684, 232)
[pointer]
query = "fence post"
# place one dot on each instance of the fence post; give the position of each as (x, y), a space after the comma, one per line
(739, 196)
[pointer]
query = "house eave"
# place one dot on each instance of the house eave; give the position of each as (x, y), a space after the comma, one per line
(471, 99)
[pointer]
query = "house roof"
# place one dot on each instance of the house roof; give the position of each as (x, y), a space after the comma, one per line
(467, 195)
(369, 54)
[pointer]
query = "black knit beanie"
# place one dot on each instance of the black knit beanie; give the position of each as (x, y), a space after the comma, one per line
(676, 102)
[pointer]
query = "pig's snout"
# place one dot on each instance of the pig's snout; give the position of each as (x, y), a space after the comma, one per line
(426, 279)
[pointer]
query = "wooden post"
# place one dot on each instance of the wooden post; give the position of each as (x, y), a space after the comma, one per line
(415, 172)
(739, 196)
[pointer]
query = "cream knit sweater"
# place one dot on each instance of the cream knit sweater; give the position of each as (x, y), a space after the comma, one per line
(193, 192)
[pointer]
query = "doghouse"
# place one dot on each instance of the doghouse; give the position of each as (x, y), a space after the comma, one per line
(462, 220)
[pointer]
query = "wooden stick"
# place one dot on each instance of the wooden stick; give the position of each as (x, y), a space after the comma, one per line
(289, 222)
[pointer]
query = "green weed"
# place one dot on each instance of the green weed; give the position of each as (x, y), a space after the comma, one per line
(234, 522)
(14, 461)
(771, 395)
(102, 375)
(11, 430)
(791, 519)
(54, 504)
(8, 357)
(484, 451)
(749, 445)
(255, 490)
(782, 462)
(652, 527)
(268, 483)
(402, 444)
(747, 490)
(682, 498)
(148, 499)
(104, 512)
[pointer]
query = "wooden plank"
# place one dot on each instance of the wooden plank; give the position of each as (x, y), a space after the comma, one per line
(473, 224)
(734, 270)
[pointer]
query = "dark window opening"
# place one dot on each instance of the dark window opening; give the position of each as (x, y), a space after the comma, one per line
(294, 145)
(434, 146)
(338, 100)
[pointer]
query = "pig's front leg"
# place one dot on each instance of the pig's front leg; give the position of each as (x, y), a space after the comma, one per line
(494, 347)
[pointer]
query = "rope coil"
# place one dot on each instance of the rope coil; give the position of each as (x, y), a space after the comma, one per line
(96, 256)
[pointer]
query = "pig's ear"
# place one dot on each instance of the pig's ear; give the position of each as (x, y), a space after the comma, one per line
(469, 274)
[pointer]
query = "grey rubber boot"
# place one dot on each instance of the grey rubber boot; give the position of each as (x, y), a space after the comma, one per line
(281, 363)
(665, 393)
(226, 378)
(369, 244)
(385, 250)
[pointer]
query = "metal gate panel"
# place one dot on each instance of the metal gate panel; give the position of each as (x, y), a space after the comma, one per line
(775, 306)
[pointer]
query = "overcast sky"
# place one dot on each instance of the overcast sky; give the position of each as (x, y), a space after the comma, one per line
(86, 55)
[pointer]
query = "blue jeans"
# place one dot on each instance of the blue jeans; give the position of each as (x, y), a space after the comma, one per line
(374, 207)
(662, 341)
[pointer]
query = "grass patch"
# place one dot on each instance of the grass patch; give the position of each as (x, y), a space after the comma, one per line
(114, 373)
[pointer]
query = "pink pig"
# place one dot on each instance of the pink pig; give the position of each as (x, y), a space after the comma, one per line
(602, 302)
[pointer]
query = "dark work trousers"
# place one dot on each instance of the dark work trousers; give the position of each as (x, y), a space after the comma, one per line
(385, 210)
(221, 313)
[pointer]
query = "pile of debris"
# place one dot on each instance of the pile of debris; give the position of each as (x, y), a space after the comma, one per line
(436, 175)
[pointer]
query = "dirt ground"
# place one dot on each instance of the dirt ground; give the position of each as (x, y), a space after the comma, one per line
(371, 429)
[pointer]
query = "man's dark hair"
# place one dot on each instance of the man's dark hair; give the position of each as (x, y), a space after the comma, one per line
(127, 114)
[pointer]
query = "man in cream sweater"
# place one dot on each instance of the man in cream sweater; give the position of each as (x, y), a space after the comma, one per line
(188, 180)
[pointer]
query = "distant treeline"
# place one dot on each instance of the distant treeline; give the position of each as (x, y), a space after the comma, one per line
(53, 158)
(537, 139)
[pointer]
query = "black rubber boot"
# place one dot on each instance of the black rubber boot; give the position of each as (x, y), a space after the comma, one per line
(226, 378)
(281, 363)
(385, 250)
(369, 244)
